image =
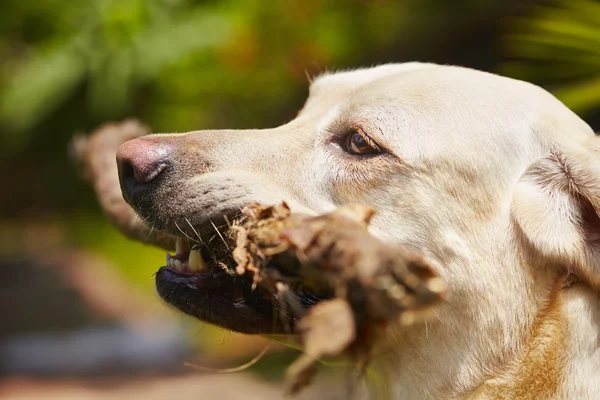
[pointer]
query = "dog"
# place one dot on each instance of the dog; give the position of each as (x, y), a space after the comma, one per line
(493, 181)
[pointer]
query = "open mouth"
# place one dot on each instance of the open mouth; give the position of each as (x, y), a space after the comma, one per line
(201, 281)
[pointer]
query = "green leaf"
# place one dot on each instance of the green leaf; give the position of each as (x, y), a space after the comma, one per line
(166, 45)
(36, 89)
(559, 46)
(111, 84)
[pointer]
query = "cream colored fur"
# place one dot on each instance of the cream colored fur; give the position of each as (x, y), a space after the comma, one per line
(493, 180)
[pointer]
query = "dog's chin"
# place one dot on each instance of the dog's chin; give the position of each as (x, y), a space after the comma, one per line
(200, 280)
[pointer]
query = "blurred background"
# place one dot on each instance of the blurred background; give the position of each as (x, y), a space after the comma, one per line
(78, 314)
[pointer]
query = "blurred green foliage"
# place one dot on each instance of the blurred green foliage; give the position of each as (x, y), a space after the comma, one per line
(114, 47)
(558, 46)
(175, 63)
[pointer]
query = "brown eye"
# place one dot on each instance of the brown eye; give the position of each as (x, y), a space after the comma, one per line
(359, 145)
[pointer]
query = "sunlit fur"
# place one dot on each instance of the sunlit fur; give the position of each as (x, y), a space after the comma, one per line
(493, 180)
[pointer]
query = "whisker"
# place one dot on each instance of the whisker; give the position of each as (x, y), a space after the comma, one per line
(141, 218)
(185, 234)
(149, 233)
(135, 218)
(230, 370)
(199, 330)
(195, 231)
(226, 337)
(221, 236)
(435, 314)
(227, 221)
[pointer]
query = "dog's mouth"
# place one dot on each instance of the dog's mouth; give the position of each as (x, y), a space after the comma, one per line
(200, 280)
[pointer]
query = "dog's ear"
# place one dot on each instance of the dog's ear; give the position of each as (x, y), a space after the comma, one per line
(557, 207)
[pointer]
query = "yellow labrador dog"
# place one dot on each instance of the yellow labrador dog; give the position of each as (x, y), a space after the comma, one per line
(493, 181)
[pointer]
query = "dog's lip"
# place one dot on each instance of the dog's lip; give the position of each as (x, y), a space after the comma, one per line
(219, 298)
(211, 291)
(217, 295)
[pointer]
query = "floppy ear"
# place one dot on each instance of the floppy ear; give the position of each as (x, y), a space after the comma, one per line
(557, 203)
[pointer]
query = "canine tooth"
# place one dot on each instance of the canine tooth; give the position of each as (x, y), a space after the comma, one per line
(177, 264)
(196, 263)
(181, 246)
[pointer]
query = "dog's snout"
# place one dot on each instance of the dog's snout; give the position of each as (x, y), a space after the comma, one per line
(140, 162)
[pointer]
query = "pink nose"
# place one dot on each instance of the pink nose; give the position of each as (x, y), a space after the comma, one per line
(140, 161)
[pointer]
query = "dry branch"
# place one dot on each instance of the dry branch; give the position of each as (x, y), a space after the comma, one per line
(372, 283)
(96, 157)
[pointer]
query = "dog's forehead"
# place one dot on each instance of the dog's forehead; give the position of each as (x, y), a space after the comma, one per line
(456, 107)
(423, 88)
(445, 85)
(352, 79)
(425, 109)
(330, 89)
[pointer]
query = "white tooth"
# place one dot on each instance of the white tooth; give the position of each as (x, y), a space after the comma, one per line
(169, 260)
(196, 263)
(177, 264)
(181, 246)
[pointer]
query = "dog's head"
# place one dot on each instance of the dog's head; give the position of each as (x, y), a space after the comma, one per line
(494, 181)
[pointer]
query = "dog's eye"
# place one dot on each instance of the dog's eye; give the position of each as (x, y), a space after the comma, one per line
(360, 145)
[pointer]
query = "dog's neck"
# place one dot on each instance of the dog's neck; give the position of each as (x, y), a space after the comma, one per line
(562, 356)
(538, 371)
(542, 358)
(557, 358)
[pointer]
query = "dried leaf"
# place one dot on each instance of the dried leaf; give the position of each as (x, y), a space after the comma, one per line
(95, 156)
(327, 330)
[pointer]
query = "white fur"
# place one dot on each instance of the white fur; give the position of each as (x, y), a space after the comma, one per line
(458, 187)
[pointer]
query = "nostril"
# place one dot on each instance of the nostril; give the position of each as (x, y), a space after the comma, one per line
(140, 161)
(126, 172)
(146, 173)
